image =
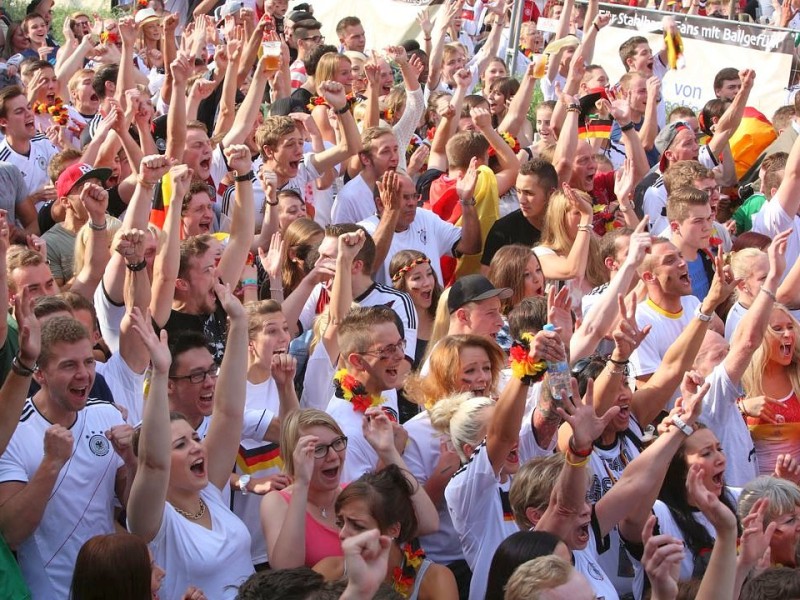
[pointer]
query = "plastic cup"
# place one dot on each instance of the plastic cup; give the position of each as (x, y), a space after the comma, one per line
(271, 50)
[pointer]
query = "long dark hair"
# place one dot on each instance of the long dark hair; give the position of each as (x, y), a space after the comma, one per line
(516, 549)
(673, 494)
(116, 565)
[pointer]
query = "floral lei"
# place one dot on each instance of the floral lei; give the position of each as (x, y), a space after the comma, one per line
(605, 216)
(526, 368)
(320, 101)
(510, 140)
(403, 577)
(109, 37)
(142, 3)
(57, 111)
(414, 143)
(350, 389)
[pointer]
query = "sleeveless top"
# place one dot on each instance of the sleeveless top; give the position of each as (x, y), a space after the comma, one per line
(321, 541)
(772, 439)
(414, 595)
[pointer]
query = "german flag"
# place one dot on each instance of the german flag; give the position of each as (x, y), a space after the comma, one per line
(752, 137)
(259, 459)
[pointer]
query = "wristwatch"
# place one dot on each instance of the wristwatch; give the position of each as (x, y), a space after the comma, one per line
(243, 481)
(702, 316)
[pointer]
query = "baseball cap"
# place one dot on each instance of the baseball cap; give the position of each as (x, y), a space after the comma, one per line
(665, 138)
(474, 288)
(300, 15)
(78, 173)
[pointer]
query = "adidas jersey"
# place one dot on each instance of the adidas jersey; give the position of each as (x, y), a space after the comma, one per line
(33, 166)
(81, 503)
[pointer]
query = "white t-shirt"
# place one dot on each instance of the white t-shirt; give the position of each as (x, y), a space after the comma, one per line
(257, 458)
(216, 560)
(481, 514)
(587, 561)
(375, 295)
(81, 504)
(771, 220)
(127, 386)
(428, 233)
(666, 327)
(421, 456)
(735, 315)
(354, 203)
(667, 525)
(34, 166)
(721, 416)
(361, 458)
(109, 315)
(606, 466)
(318, 381)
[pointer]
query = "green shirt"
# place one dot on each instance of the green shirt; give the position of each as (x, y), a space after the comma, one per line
(12, 586)
(744, 214)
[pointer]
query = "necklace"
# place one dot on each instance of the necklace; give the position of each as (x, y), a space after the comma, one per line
(193, 517)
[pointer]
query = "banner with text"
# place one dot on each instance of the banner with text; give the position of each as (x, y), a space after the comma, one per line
(709, 46)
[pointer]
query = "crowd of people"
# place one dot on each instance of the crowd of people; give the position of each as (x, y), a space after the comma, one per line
(299, 318)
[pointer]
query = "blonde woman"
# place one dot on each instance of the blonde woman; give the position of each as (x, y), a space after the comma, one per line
(773, 376)
(750, 267)
(569, 251)
(331, 67)
(460, 363)
(299, 252)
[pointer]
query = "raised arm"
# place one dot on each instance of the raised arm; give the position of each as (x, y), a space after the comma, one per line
(520, 104)
(167, 261)
(753, 327)
(470, 241)
(598, 322)
(788, 194)
(227, 104)
(349, 137)
(125, 81)
(729, 121)
(132, 348)
(567, 144)
(225, 431)
(448, 125)
(442, 21)
(248, 111)
(509, 164)
(148, 494)
(176, 117)
(621, 111)
(243, 219)
(95, 202)
(350, 245)
(391, 199)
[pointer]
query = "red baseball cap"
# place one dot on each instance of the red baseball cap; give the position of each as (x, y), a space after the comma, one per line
(78, 173)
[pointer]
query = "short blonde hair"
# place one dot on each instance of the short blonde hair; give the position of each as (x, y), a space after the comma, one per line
(532, 579)
(296, 422)
(532, 486)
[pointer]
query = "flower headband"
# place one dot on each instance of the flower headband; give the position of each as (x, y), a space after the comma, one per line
(403, 270)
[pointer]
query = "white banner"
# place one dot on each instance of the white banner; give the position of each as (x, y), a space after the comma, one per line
(709, 46)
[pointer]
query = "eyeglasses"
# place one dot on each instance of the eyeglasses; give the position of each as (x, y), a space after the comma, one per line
(389, 351)
(199, 376)
(339, 444)
(314, 38)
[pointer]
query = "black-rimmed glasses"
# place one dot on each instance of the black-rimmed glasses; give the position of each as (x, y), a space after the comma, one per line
(339, 444)
(199, 376)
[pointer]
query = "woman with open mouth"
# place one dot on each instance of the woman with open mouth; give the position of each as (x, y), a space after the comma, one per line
(179, 500)
(774, 373)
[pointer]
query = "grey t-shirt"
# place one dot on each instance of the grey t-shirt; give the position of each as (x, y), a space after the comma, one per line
(12, 189)
(60, 251)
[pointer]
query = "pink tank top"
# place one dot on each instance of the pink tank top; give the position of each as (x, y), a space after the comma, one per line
(321, 541)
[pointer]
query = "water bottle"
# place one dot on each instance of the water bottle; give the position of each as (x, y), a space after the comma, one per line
(558, 375)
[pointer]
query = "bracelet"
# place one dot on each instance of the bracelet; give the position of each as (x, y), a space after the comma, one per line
(585, 227)
(573, 108)
(740, 405)
(276, 289)
(577, 465)
(682, 425)
(94, 227)
(136, 266)
(272, 203)
(627, 127)
(618, 370)
(471, 202)
(571, 446)
(427, 39)
(249, 281)
(619, 363)
(769, 293)
(344, 109)
(21, 368)
(596, 27)
(246, 177)
(144, 183)
(699, 314)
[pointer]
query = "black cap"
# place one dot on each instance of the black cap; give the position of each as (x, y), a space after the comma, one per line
(473, 288)
(283, 107)
(300, 15)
